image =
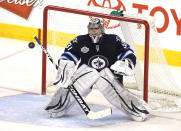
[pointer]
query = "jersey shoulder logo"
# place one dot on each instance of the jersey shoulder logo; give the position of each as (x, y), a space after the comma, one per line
(84, 49)
(74, 40)
(98, 62)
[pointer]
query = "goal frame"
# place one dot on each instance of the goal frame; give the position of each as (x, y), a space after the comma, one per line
(96, 14)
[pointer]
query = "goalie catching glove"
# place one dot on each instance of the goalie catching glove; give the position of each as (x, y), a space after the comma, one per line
(123, 67)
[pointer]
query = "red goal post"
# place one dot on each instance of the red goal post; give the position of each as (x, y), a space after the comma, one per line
(106, 16)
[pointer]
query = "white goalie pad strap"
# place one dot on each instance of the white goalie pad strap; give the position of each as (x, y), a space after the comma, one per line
(65, 71)
(124, 67)
(62, 101)
(120, 97)
(84, 78)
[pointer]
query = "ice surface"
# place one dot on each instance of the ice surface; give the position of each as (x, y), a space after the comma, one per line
(20, 72)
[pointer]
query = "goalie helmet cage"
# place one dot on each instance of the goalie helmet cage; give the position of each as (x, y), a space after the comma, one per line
(129, 25)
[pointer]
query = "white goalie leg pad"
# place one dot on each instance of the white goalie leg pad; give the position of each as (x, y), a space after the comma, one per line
(59, 103)
(62, 101)
(84, 77)
(120, 97)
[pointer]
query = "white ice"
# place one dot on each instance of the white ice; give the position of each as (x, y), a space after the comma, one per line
(20, 72)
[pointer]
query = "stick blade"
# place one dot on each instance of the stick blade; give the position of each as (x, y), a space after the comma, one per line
(99, 114)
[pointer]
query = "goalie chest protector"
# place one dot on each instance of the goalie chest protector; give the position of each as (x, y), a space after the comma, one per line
(97, 55)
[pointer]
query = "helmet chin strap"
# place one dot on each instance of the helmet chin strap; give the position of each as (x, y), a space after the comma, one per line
(95, 38)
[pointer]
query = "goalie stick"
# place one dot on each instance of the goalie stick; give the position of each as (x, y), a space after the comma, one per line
(46, 52)
(90, 114)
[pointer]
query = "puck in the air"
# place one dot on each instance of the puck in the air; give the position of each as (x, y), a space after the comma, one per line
(31, 45)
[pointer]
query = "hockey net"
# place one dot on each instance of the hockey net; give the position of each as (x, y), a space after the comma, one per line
(152, 81)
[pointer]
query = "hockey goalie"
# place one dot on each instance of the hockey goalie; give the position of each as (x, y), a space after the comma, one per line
(98, 59)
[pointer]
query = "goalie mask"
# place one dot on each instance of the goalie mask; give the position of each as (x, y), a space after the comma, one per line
(95, 29)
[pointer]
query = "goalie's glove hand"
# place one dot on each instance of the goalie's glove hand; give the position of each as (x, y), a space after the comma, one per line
(123, 67)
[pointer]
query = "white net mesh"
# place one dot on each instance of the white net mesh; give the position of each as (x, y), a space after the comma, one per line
(164, 94)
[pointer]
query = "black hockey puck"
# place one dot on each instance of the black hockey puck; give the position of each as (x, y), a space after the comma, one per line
(31, 45)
